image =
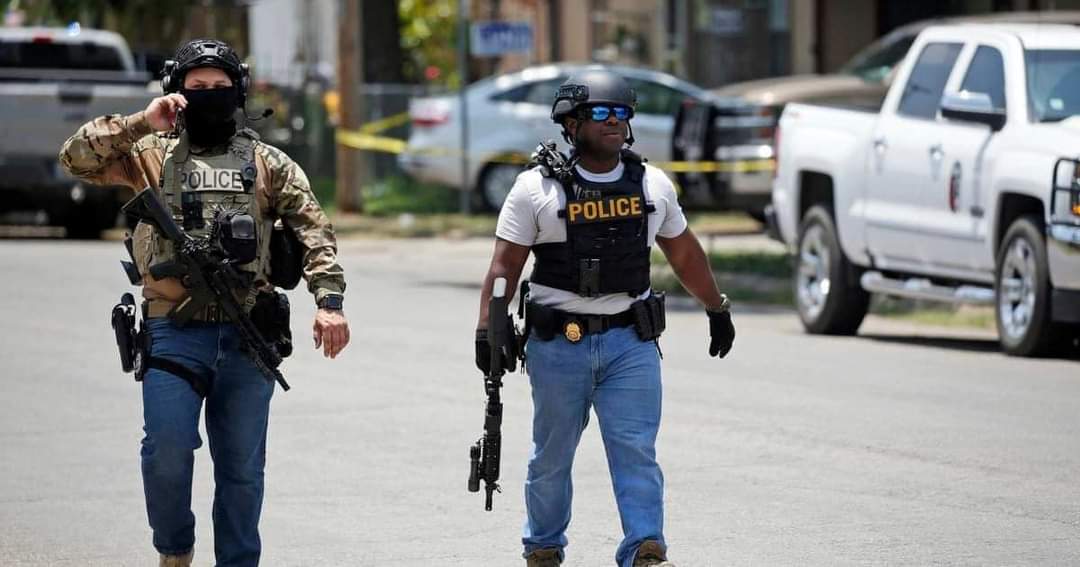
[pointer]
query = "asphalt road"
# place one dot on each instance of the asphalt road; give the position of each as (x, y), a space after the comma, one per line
(904, 446)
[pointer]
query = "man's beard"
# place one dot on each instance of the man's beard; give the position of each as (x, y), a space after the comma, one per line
(595, 150)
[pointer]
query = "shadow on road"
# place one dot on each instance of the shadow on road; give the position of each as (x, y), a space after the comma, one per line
(954, 343)
(950, 343)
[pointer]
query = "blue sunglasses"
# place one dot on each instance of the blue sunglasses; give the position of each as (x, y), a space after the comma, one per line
(601, 113)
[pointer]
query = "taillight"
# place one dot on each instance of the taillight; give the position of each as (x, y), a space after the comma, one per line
(428, 115)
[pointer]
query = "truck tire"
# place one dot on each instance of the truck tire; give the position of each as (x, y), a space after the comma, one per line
(828, 296)
(96, 213)
(1022, 291)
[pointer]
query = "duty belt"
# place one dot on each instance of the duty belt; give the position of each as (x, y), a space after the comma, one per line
(212, 313)
(576, 325)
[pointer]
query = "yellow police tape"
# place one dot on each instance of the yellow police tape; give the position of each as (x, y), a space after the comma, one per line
(366, 138)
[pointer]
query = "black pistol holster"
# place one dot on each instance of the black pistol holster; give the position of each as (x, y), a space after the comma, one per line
(270, 315)
(649, 318)
(135, 343)
(127, 337)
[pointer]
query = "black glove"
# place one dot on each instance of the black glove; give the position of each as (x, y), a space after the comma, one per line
(483, 351)
(722, 331)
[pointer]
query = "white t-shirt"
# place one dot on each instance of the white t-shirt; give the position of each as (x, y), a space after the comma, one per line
(530, 216)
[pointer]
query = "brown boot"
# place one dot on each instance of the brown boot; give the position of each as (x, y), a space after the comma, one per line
(543, 558)
(176, 560)
(651, 554)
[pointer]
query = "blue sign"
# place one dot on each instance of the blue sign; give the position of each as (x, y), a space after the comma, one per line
(497, 38)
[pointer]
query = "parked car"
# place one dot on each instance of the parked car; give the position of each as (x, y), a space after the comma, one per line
(963, 188)
(737, 127)
(510, 114)
(52, 80)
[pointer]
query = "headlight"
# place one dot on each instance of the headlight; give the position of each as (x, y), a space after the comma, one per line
(1074, 193)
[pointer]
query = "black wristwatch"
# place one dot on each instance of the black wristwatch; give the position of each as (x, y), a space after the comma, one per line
(332, 301)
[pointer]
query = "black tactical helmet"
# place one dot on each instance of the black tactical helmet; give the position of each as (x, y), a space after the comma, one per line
(592, 86)
(204, 53)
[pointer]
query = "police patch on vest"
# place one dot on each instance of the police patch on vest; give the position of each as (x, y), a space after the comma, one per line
(213, 180)
(599, 210)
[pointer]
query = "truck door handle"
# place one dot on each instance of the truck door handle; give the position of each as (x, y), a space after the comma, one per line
(880, 145)
(936, 152)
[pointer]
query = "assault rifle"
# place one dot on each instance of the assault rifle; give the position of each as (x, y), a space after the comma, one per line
(486, 454)
(210, 275)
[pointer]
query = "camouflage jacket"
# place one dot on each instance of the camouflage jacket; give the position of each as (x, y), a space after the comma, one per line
(122, 150)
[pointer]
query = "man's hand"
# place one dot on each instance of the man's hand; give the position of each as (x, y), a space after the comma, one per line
(721, 331)
(331, 331)
(161, 112)
(483, 351)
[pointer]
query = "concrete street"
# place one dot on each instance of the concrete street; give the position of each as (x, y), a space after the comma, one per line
(907, 445)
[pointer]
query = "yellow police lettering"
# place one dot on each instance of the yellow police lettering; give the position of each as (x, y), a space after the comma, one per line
(635, 206)
(590, 210)
(622, 207)
(575, 210)
(602, 213)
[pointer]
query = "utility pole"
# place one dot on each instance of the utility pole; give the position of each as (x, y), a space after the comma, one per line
(463, 70)
(351, 170)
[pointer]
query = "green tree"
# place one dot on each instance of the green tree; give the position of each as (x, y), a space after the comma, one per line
(429, 37)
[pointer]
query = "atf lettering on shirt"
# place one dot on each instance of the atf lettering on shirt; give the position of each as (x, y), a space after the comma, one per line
(607, 209)
(212, 180)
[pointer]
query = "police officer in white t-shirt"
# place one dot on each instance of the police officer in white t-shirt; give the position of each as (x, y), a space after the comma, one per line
(591, 318)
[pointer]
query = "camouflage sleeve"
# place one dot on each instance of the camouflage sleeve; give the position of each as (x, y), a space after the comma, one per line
(294, 202)
(100, 151)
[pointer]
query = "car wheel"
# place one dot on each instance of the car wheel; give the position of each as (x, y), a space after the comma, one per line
(829, 299)
(495, 184)
(1022, 286)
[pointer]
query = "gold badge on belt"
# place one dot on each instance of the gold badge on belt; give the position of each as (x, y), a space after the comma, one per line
(572, 330)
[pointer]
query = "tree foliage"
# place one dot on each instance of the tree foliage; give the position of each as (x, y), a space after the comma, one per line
(429, 37)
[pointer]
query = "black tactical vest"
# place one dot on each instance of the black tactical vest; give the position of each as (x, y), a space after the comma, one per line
(607, 239)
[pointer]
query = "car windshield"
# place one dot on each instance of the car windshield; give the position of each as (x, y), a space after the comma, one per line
(60, 55)
(1053, 81)
(874, 63)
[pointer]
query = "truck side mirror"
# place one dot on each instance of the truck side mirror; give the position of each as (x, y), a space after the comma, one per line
(968, 106)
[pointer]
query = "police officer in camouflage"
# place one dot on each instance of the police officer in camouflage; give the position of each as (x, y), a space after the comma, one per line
(592, 320)
(189, 146)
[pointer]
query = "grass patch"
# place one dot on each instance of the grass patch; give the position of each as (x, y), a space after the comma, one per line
(710, 222)
(933, 313)
(399, 194)
(750, 277)
(324, 189)
(392, 196)
(408, 225)
(766, 264)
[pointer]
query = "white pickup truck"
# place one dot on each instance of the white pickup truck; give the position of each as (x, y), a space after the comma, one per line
(963, 187)
(52, 80)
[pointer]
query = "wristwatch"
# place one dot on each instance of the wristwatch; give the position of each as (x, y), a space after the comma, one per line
(332, 301)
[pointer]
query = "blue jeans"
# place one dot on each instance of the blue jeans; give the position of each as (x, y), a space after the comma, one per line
(237, 412)
(618, 375)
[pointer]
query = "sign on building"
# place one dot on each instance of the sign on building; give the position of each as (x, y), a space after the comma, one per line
(497, 38)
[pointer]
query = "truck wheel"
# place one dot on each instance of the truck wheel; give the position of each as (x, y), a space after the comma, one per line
(828, 297)
(495, 184)
(1022, 280)
(96, 213)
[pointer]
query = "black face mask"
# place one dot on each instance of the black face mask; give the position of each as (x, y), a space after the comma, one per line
(209, 115)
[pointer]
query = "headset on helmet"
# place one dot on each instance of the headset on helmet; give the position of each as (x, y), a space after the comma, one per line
(589, 87)
(205, 53)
